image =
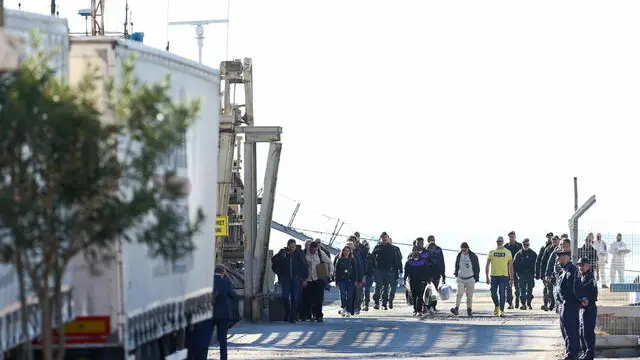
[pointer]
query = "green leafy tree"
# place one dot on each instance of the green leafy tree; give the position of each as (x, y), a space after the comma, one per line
(75, 179)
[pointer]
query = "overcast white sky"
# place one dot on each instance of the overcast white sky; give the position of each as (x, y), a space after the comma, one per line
(418, 117)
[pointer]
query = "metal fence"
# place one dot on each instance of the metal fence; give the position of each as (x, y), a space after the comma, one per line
(618, 275)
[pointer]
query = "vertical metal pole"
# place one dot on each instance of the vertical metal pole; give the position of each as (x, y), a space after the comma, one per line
(575, 194)
(1, 13)
(250, 210)
(225, 172)
(574, 226)
(266, 215)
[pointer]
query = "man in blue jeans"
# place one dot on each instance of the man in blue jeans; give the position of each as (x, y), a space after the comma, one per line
(292, 269)
(500, 262)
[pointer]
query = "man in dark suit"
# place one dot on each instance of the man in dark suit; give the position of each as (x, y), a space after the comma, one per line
(222, 295)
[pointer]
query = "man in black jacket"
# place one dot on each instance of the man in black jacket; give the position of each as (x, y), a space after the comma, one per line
(438, 261)
(524, 265)
(541, 271)
(467, 273)
(386, 270)
(589, 252)
(514, 247)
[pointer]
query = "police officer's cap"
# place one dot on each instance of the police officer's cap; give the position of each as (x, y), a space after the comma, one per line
(583, 261)
(219, 269)
(563, 253)
(512, 233)
(550, 234)
(525, 241)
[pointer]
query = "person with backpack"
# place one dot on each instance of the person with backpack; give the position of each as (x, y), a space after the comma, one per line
(320, 269)
(292, 269)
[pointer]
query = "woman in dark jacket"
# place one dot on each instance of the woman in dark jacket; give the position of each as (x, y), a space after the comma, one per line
(346, 277)
(415, 269)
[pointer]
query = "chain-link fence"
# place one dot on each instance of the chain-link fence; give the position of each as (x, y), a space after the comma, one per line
(617, 271)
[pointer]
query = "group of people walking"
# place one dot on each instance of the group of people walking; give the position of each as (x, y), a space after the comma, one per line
(511, 270)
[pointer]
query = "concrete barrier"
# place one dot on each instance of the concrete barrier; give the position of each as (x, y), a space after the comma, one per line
(617, 341)
(619, 320)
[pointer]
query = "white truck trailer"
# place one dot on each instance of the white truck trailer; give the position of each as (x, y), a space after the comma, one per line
(149, 301)
(54, 35)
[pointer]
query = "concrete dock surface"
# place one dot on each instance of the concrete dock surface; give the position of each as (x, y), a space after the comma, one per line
(395, 333)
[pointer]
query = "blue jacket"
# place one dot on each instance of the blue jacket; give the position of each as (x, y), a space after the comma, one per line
(222, 295)
(291, 266)
(589, 287)
(569, 288)
(416, 270)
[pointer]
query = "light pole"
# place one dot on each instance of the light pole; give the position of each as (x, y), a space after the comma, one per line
(199, 24)
(85, 13)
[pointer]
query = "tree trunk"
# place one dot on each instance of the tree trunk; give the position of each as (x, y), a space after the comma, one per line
(46, 323)
(58, 305)
(24, 314)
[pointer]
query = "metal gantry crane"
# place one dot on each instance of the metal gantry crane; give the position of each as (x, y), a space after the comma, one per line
(97, 17)
(253, 235)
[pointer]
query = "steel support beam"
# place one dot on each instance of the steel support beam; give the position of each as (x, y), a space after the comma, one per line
(573, 226)
(266, 215)
(225, 177)
(250, 212)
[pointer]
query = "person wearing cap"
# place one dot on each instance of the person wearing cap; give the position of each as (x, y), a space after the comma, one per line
(548, 281)
(524, 265)
(223, 294)
(538, 267)
(588, 251)
(500, 262)
(514, 247)
(571, 299)
(467, 273)
(386, 270)
(553, 266)
(589, 312)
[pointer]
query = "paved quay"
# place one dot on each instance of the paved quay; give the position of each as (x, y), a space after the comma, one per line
(395, 334)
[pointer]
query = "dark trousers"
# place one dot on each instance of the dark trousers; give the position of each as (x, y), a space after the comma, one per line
(383, 284)
(570, 327)
(549, 288)
(367, 290)
(526, 282)
(346, 294)
(498, 289)
(587, 331)
(358, 294)
(291, 298)
(510, 292)
(417, 291)
(315, 293)
(222, 329)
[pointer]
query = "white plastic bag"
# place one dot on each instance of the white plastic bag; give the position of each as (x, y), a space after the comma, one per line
(445, 291)
(430, 294)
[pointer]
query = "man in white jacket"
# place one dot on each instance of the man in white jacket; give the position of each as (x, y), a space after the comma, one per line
(618, 251)
(603, 259)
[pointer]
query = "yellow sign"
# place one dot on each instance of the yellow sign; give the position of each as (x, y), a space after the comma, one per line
(222, 226)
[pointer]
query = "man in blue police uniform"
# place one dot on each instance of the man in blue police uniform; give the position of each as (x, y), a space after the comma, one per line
(571, 299)
(589, 312)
